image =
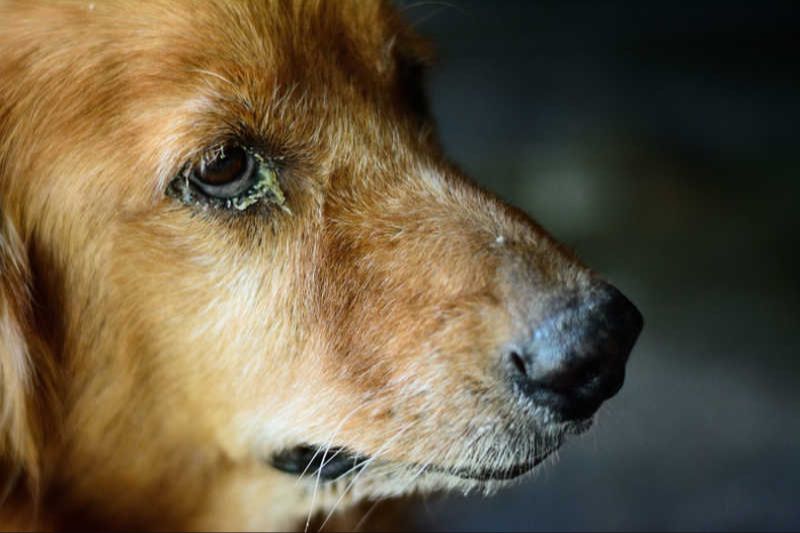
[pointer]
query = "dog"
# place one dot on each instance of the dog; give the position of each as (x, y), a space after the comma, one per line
(241, 284)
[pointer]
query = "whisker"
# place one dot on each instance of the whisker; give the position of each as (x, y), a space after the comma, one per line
(433, 3)
(380, 450)
(330, 440)
(314, 496)
(365, 464)
(380, 500)
(318, 476)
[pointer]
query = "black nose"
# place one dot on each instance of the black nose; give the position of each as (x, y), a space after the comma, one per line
(575, 358)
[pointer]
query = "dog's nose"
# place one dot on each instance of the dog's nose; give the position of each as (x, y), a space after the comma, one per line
(575, 358)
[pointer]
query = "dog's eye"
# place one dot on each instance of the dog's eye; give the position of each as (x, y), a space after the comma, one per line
(229, 177)
(226, 173)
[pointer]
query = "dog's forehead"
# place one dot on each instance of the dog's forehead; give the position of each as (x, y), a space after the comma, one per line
(292, 59)
(277, 34)
(172, 79)
(281, 51)
(363, 37)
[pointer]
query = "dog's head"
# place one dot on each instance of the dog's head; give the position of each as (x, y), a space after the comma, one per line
(257, 279)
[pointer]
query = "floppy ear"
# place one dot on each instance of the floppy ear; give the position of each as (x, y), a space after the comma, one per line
(17, 447)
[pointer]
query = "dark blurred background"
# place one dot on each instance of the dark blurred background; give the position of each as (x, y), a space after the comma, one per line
(660, 141)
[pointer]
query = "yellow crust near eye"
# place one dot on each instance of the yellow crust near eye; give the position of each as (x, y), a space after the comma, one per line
(267, 186)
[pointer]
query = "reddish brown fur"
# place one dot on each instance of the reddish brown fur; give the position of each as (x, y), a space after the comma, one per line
(151, 354)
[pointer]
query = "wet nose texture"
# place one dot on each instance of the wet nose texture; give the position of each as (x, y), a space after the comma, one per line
(575, 358)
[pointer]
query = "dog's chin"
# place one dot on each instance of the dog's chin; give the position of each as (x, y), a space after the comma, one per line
(327, 463)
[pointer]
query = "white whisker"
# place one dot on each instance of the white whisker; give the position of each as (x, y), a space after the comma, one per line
(377, 502)
(363, 467)
(330, 439)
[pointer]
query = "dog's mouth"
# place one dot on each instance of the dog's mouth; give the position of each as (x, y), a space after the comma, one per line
(330, 464)
(319, 461)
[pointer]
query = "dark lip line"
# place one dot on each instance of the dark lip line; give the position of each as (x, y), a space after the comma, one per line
(345, 461)
(492, 474)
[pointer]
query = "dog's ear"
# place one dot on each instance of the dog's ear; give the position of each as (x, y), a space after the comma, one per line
(17, 447)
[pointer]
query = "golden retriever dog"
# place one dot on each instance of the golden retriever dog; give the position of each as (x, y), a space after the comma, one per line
(240, 283)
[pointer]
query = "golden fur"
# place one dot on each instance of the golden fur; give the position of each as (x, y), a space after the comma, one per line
(152, 355)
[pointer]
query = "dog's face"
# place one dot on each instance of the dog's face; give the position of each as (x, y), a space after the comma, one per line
(261, 285)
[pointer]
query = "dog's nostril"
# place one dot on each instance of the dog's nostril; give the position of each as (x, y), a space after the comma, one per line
(576, 357)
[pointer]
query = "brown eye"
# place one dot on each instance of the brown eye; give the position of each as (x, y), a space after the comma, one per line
(226, 173)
